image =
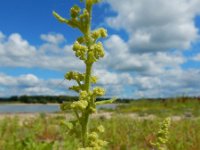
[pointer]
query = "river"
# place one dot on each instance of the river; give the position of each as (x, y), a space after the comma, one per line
(39, 108)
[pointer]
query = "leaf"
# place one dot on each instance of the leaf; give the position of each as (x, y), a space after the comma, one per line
(59, 18)
(106, 101)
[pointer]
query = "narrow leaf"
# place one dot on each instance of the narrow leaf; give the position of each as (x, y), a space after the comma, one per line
(59, 18)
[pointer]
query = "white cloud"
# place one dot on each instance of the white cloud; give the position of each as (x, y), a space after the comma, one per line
(15, 46)
(17, 52)
(53, 38)
(29, 84)
(2, 36)
(156, 25)
(113, 78)
(120, 58)
(196, 58)
(175, 82)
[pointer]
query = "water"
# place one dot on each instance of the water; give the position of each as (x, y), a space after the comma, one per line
(38, 108)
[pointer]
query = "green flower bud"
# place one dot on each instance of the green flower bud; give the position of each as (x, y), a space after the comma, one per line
(94, 79)
(83, 95)
(75, 76)
(76, 46)
(85, 15)
(80, 50)
(100, 129)
(93, 136)
(75, 10)
(103, 32)
(81, 104)
(95, 35)
(91, 58)
(98, 50)
(98, 91)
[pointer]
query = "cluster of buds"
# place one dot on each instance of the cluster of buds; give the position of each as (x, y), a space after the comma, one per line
(80, 50)
(84, 17)
(98, 91)
(82, 103)
(78, 20)
(94, 143)
(79, 105)
(162, 135)
(96, 52)
(74, 76)
(78, 77)
(99, 33)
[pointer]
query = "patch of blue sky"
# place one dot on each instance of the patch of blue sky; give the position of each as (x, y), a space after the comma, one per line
(39, 72)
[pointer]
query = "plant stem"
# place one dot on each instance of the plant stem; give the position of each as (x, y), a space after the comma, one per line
(85, 114)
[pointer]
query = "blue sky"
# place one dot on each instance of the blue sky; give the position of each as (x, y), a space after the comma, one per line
(152, 49)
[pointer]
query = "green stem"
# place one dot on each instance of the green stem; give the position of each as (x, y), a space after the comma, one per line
(85, 114)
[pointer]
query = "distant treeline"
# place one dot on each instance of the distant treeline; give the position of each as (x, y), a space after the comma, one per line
(61, 98)
(41, 99)
(38, 99)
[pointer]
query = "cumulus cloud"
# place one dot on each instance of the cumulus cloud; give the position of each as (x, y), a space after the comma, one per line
(172, 83)
(53, 38)
(18, 52)
(143, 75)
(120, 58)
(156, 25)
(112, 78)
(29, 84)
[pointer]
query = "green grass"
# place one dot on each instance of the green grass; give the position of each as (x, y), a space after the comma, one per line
(171, 107)
(123, 133)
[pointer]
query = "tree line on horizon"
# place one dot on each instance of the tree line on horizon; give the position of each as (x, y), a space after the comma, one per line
(66, 98)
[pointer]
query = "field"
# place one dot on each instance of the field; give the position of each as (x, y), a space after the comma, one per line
(130, 127)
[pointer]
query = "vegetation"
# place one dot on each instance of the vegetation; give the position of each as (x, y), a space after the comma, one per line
(123, 133)
(180, 106)
(88, 49)
(37, 99)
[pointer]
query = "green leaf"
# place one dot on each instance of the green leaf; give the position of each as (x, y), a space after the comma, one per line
(106, 101)
(59, 18)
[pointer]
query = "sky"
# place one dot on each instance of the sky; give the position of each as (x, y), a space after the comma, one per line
(153, 48)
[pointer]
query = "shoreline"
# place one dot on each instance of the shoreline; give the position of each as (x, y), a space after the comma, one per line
(2, 103)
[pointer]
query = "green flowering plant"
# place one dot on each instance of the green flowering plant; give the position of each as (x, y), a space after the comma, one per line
(162, 135)
(88, 49)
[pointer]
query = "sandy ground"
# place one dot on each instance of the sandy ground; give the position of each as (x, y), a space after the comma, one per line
(101, 115)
